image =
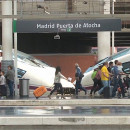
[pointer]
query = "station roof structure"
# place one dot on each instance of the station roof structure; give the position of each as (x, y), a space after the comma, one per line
(77, 9)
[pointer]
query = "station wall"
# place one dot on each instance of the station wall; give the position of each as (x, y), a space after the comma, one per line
(67, 62)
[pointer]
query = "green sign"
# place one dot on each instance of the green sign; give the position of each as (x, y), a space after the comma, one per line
(14, 26)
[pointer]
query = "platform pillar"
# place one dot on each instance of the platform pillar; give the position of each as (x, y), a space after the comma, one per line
(103, 41)
(7, 37)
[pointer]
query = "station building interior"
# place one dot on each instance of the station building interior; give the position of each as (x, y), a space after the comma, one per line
(81, 47)
(44, 43)
(74, 112)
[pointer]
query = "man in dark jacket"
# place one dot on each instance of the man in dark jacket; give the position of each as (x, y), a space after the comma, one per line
(110, 67)
(78, 77)
(10, 80)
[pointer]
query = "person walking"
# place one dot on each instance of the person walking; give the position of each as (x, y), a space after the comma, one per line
(120, 67)
(94, 80)
(10, 80)
(104, 77)
(115, 72)
(127, 81)
(110, 68)
(78, 77)
(97, 82)
(57, 82)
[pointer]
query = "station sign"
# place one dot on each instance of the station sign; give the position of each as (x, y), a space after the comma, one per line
(55, 26)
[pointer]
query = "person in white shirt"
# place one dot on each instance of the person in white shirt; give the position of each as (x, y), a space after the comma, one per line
(120, 70)
(120, 67)
(2, 84)
(2, 78)
(57, 82)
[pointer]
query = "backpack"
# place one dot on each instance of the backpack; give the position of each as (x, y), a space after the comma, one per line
(93, 74)
(79, 75)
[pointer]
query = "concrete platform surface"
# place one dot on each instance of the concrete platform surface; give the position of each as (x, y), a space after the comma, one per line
(65, 115)
(67, 102)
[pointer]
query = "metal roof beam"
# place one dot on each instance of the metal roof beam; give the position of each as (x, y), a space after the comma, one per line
(69, 16)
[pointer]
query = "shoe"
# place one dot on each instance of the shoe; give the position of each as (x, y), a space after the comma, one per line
(37, 97)
(2, 97)
(90, 95)
(62, 97)
(101, 95)
(119, 97)
(93, 95)
(49, 96)
(124, 96)
(11, 97)
(85, 92)
(76, 96)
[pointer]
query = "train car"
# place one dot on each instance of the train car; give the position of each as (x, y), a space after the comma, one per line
(39, 72)
(122, 56)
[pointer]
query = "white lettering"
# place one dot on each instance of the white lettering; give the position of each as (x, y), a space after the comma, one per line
(45, 25)
(77, 25)
(93, 25)
(65, 26)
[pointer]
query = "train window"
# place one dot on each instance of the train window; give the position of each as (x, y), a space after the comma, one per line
(100, 63)
(40, 63)
(89, 69)
(126, 67)
(20, 72)
(121, 53)
(108, 59)
(97, 65)
(30, 60)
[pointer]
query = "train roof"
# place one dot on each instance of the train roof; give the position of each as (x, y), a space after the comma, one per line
(108, 59)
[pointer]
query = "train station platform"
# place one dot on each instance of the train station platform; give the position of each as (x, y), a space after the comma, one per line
(72, 113)
(65, 117)
(45, 101)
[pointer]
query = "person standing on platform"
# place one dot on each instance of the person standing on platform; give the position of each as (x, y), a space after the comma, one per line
(10, 80)
(110, 68)
(2, 84)
(57, 82)
(78, 77)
